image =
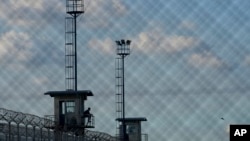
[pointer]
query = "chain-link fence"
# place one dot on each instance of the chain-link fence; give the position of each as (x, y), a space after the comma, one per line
(187, 72)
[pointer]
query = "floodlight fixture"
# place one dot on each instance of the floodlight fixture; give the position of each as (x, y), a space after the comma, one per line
(123, 42)
(123, 47)
(128, 42)
(118, 43)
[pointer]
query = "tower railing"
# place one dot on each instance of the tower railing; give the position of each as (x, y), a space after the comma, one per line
(75, 7)
(49, 121)
(144, 137)
(69, 121)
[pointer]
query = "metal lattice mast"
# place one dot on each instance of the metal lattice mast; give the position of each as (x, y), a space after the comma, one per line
(119, 90)
(123, 50)
(74, 8)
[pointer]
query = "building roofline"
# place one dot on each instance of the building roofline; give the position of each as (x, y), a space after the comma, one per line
(132, 119)
(69, 93)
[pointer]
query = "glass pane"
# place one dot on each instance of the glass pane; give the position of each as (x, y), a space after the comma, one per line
(70, 107)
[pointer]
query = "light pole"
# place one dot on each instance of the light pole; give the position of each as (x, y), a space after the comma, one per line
(123, 49)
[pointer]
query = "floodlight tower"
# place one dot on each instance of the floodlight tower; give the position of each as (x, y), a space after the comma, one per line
(74, 8)
(123, 50)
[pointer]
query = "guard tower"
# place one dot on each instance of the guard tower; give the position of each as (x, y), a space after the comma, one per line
(68, 114)
(133, 126)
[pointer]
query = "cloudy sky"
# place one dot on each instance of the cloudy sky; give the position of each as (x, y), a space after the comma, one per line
(189, 62)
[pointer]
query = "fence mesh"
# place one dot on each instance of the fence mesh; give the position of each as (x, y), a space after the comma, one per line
(187, 72)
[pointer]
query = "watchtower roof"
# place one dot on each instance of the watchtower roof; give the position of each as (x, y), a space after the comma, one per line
(69, 93)
(132, 119)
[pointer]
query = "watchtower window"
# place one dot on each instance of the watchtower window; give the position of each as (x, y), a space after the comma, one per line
(68, 107)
